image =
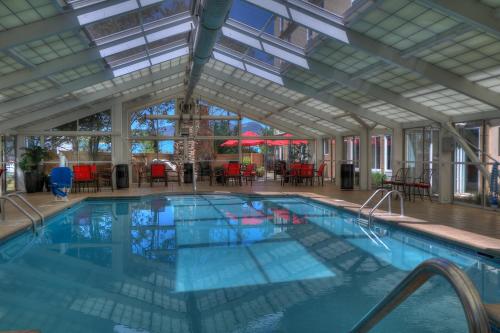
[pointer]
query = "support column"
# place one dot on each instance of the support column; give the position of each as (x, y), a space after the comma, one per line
(445, 170)
(364, 162)
(397, 149)
(339, 147)
(119, 143)
(318, 152)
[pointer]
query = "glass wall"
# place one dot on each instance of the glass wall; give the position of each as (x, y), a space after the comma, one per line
(78, 149)
(351, 153)
(468, 184)
(8, 163)
(422, 155)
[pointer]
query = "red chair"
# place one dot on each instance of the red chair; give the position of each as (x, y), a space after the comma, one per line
(158, 172)
(249, 173)
(233, 172)
(422, 184)
(82, 177)
(306, 173)
(295, 172)
(320, 174)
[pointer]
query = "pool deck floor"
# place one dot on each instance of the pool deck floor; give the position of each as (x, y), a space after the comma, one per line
(474, 227)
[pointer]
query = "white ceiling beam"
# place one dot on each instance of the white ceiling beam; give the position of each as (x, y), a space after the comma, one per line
(264, 106)
(52, 93)
(91, 54)
(240, 109)
(323, 22)
(59, 120)
(473, 12)
(86, 99)
(330, 73)
(65, 21)
(50, 67)
(340, 103)
(275, 97)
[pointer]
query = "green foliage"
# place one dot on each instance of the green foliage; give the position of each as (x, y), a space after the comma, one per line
(31, 158)
(246, 160)
(377, 178)
(260, 171)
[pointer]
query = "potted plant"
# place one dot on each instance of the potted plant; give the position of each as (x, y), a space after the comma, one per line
(378, 179)
(30, 164)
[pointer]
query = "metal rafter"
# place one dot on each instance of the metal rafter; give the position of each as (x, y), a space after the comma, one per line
(313, 93)
(330, 25)
(262, 91)
(241, 110)
(32, 99)
(65, 21)
(263, 106)
(89, 98)
(279, 48)
(473, 12)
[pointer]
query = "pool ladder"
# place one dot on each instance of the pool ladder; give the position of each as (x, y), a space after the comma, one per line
(388, 194)
(476, 311)
(18, 195)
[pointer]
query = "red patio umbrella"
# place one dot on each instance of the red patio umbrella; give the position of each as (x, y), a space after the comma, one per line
(285, 142)
(246, 142)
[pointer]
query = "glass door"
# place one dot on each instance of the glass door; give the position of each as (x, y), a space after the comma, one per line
(9, 158)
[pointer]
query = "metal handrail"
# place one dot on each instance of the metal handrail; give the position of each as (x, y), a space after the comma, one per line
(19, 208)
(388, 194)
(370, 199)
(27, 203)
(475, 312)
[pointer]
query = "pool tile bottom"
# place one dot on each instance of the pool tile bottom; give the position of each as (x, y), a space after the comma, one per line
(263, 263)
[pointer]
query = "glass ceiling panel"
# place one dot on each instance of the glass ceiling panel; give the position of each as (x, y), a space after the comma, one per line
(252, 15)
(19, 12)
(76, 73)
(342, 57)
(473, 54)
(165, 9)
(403, 23)
(25, 89)
(8, 64)
(52, 47)
(306, 77)
(392, 112)
(129, 40)
(113, 25)
(492, 3)
(397, 79)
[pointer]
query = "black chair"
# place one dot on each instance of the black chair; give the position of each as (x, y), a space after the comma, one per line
(204, 169)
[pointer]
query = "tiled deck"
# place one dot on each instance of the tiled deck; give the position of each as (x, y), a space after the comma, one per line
(475, 227)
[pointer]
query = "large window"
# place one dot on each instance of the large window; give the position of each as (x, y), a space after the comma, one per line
(376, 156)
(143, 125)
(422, 154)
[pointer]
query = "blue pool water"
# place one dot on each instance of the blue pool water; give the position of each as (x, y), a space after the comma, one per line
(220, 263)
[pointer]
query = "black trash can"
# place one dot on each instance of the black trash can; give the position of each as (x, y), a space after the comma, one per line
(122, 176)
(188, 173)
(347, 176)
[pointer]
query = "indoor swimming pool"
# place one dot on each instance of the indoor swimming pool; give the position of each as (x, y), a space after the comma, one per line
(224, 263)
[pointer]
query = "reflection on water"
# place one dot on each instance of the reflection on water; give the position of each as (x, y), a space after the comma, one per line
(220, 263)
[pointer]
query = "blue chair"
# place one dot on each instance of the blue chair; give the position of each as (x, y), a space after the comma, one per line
(60, 182)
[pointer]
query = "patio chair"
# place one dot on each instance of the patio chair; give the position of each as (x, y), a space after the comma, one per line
(294, 172)
(320, 174)
(61, 182)
(249, 173)
(158, 171)
(422, 184)
(83, 177)
(105, 177)
(285, 175)
(398, 180)
(232, 172)
(306, 173)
